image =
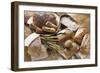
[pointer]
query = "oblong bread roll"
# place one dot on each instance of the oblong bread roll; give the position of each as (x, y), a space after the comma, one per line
(85, 45)
(79, 35)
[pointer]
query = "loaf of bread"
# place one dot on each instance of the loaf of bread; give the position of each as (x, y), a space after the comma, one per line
(69, 22)
(40, 20)
(36, 50)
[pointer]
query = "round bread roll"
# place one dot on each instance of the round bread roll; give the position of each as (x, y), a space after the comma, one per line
(64, 35)
(72, 46)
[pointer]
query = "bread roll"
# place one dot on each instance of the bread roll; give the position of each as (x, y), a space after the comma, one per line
(48, 29)
(79, 35)
(64, 35)
(51, 25)
(72, 46)
(85, 45)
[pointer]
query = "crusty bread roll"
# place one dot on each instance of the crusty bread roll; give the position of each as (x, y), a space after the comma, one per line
(51, 25)
(72, 46)
(48, 29)
(85, 45)
(64, 35)
(79, 35)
